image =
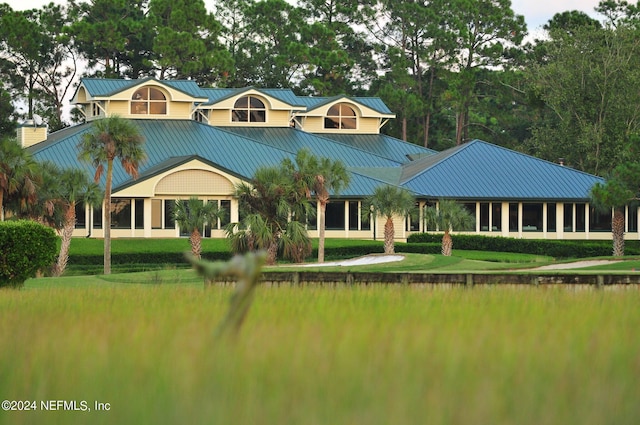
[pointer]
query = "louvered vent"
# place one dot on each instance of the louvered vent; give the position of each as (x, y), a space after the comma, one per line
(194, 182)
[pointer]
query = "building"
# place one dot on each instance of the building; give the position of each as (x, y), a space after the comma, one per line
(202, 141)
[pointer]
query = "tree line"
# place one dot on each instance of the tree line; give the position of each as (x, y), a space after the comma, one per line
(451, 70)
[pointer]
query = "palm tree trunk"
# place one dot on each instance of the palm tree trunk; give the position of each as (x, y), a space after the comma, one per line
(196, 243)
(389, 235)
(107, 219)
(617, 227)
(67, 233)
(447, 244)
(321, 230)
(272, 253)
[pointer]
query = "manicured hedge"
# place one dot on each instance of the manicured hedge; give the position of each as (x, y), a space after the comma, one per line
(554, 248)
(133, 260)
(25, 248)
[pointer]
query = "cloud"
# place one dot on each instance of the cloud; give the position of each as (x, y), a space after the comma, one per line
(537, 14)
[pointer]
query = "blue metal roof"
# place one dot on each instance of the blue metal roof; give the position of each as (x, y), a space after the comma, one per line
(480, 170)
(285, 95)
(292, 140)
(165, 139)
(474, 171)
(103, 87)
(375, 103)
(382, 145)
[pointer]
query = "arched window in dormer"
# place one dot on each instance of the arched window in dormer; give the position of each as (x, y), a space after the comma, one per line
(249, 109)
(341, 116)
(148, 101)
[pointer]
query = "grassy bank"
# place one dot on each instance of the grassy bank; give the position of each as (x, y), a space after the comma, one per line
(374, 355)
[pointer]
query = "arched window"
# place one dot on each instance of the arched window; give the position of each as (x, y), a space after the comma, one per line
(249, 109)
(341, 116)
(148, 101)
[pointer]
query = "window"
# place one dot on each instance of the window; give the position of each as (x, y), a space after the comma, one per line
(249, 109)
(95, 109)
(496, 217)
(81, 215)
(580, 217)
(532, 217)
(514, 218)
(471, 207)
(551, 217)
(169, 213)
(334, 219)
(139, 213)
(185, 204)
(484, 217)
(599, 221)
(121, 213)
(413, 219)
(97, 217)
(568, 217)
(148, 101)
(225, 217)
(632, 217)
(354, 213)
(341, 116)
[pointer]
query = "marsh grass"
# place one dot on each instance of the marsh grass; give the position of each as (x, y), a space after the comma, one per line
(323, 355)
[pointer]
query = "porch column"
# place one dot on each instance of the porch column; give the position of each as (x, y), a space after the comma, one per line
(545, 217)
(520, 218)
(560, 220)
(505, 219)
(147, 218)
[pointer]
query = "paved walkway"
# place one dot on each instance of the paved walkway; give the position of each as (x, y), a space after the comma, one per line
(361, 261)
(576, 265)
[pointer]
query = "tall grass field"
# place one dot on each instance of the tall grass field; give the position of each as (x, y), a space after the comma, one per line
(146, 354)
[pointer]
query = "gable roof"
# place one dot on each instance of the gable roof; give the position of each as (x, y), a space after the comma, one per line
(286, 96)
(475, 171)
(375, 103)
(106, 87)
(235, 150)
(479, 170)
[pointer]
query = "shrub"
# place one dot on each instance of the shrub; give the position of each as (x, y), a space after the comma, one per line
(25, 248)
(553, 248)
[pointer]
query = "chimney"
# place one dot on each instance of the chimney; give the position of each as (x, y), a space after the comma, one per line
(29, 133)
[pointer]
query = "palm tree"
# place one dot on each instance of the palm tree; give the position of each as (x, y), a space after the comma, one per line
(74, 186)
(621, 187)
(17, 171)
(192, 215)
(110, 139)
(318, 176)
(448, 216)
(270, 201)
(389, 202)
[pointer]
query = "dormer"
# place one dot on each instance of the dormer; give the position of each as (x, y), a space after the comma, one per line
(138, 99)
(251, 107)
(344, 115)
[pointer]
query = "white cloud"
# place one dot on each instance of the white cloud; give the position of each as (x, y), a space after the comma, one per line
(537, 13)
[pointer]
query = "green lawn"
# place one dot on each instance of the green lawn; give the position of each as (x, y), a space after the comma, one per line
(317, 355)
